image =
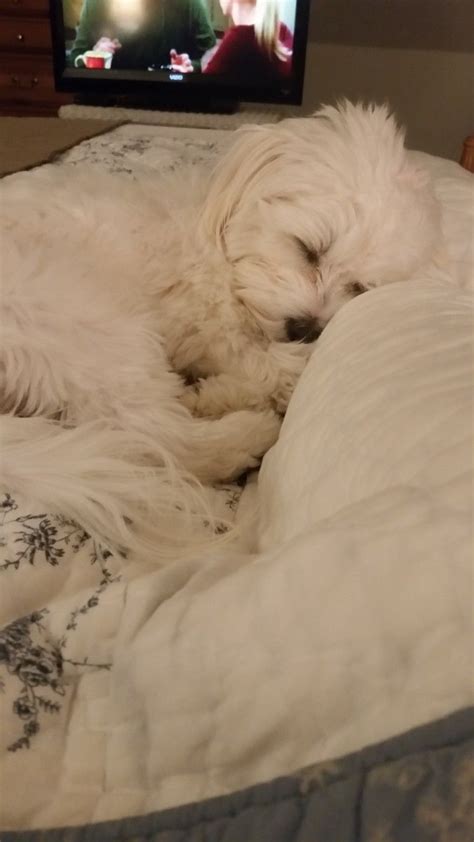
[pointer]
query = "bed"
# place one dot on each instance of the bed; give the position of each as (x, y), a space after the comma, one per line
(313, 682)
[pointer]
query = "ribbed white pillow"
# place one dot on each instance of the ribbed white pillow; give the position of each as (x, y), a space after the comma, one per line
(386, 402)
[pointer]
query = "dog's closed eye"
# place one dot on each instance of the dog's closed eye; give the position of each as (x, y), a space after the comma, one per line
(355, 288)
(310, 254)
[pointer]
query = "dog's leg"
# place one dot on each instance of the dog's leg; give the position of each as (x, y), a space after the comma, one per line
(263, 379)
(221, 449)
(141, 400)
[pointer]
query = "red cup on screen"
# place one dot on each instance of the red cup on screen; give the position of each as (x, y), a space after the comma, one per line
(94, 60)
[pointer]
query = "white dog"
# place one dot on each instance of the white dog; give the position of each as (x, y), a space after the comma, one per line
(115, 290)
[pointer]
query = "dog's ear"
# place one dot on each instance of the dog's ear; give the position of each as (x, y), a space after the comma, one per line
(241, 178)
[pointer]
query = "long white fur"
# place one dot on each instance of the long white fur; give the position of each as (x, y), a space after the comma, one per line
(95, 475)
(111, 286)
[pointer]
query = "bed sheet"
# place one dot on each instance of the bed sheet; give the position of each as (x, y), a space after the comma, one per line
(343, 619)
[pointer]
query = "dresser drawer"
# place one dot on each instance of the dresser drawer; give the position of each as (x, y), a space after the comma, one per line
(28, 82)
(20, 82)
(35, 8)
(24, 35)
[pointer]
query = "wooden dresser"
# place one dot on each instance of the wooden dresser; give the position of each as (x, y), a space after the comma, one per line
(26, 69)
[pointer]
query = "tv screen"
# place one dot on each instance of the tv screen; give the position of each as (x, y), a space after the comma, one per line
(180, 51)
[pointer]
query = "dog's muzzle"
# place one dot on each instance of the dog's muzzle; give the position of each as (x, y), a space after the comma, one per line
(303, 329)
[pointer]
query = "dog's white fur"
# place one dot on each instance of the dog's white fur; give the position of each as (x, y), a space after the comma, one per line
(113, 287)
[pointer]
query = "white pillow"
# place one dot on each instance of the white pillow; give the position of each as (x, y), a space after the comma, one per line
(385, 403)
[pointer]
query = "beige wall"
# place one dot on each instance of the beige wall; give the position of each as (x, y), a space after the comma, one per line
(430, 90)
(419, 24)
(415, 54)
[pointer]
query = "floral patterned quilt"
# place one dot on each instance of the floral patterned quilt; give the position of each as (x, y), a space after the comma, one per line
(61, 611)
(39, 665)
(57, 585)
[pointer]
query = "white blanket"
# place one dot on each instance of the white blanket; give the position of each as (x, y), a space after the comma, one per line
(146, 688)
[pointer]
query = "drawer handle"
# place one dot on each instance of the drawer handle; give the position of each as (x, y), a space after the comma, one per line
(18, 82)
(20, 37)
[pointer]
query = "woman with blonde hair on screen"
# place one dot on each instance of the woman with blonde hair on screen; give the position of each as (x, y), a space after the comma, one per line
(257, 47)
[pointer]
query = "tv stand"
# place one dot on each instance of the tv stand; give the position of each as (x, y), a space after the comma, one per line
(150, 102)
(198, 116)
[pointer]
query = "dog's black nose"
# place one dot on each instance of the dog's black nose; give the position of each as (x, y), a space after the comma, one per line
(303, 329)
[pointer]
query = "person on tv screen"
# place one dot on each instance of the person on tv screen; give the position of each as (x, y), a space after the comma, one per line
(143, 34)
(257, 47)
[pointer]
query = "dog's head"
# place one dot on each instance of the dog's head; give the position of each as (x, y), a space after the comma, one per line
(314, 211)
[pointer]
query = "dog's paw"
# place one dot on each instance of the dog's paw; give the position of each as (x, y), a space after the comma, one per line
(207, 398)
(221, 394)
(258, 432)
(191, 398)
(264, 432)
(222, 449)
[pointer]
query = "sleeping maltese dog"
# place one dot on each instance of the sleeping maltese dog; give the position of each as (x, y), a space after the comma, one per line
(153, 331)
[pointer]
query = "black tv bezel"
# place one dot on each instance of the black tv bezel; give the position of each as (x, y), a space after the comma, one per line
(192, 92)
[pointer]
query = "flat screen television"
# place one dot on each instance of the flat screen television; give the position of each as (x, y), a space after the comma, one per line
(180, 54)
